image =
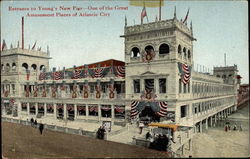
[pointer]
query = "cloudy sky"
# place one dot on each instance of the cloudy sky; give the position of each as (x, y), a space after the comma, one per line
(219, 26)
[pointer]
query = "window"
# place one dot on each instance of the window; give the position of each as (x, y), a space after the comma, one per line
(13, 66)
(137, 86)
(81, 110)
(189, 54)
(117, 87)
(25, 66)
(50, 108)
(179, 49)
(162, 85)
(149, 84)
(42, 68)
(180, 83)
(24, 106)
(185, 88)
(93, 110)
(149, 48)
(7, 67)
(32, 108)
(92, 88)
(184, 51)
(106, 111)
(34, 66)
(135, 52)
(183, 111)
(164, 49)
(120, 111)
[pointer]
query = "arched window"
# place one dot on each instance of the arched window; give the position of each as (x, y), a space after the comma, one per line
(149, 48)
(164, 49)
(184, 51)
(189, 54)
(179, 49)
(218, 76)
(13, 66)
(34, 66)
(42, 67)
(25, 66)
(224, 76)
(135, 52)
(7, 67)
(2, 67)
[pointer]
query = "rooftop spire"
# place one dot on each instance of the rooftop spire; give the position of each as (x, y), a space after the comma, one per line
(125, 21)
(191, 27)
(174, 12)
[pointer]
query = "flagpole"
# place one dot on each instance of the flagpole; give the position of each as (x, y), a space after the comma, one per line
(160, 11)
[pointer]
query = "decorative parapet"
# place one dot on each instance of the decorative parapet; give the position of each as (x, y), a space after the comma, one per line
(27, 52)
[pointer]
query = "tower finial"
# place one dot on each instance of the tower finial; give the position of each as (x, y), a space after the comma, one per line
(174, 12)
(125, 20)
(191, 27)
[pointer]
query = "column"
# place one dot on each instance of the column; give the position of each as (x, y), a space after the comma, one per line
(55, 111)
(156, 81)
(19, 109)
(211, 121)
(45, 109)
(36, 107)
(87, 110)
(75, 111)
(215, 119)
(28, 109)
(112, 111)
(190, 144)
(200, 126)
(142, 85)
(206, 123)
(64, 112)
(99, 112)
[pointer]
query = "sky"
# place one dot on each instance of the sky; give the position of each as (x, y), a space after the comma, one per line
(219, 26)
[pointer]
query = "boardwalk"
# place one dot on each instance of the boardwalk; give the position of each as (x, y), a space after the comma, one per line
(217, 143)
(20, 141)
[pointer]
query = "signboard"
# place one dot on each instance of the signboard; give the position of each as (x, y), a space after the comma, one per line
(107, 125)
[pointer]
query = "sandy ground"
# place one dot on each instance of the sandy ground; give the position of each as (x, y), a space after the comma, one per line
(26, 142)
(217, 143)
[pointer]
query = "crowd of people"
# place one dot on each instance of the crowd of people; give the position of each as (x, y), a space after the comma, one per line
(35, 124)
(235, 127)
(161, 142)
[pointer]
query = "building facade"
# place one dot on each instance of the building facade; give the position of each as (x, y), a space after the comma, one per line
(156, 82)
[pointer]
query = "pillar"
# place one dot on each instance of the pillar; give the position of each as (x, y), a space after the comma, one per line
(28, 109)
(99, 112)
(45, 109)
(190, 144)
(36, 107)
(112, 111)
(75, 111)
(87, 110)
(142, 85)
(211, 121)
(215, 118)
(55, 111)
(157, 90)
(206, 124)
(64, 111)
(200, 126)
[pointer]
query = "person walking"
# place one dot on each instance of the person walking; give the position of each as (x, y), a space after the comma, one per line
(141, 125)
(235, 127)
(41, 126)
(226, 128)
(240, 128)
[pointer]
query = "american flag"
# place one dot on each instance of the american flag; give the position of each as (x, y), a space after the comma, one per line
(57, 75)
(163, 109)
(78, 74)
(184, 70)
(186, 75)
(42, 76)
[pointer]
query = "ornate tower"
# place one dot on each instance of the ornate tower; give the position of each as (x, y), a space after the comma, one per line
(152, 54)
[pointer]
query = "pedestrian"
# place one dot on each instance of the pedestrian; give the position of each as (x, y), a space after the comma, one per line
(235, 127)
(32, 121)
(35, 122)
(229, 127)
(41, 126)
(226, 128)
(240, 128)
